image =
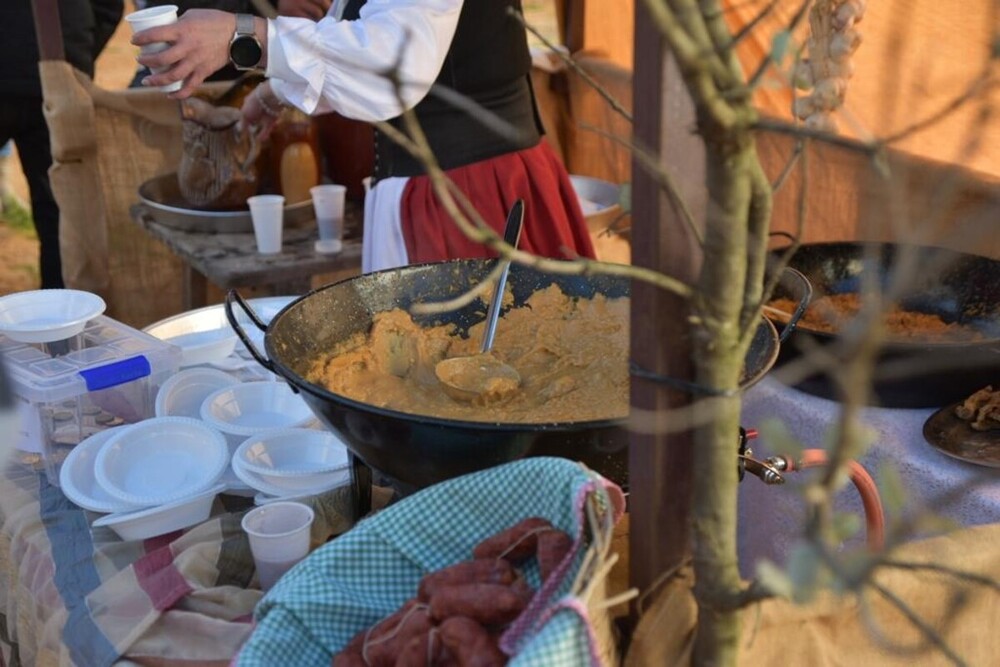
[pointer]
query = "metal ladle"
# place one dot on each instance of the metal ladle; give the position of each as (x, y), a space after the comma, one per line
(482, 377)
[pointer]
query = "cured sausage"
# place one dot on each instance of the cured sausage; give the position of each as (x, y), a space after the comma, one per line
(480, 571)
(489, 604)
(516, 544)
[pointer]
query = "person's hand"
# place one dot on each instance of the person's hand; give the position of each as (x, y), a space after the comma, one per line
(307, 9)
(261, 109)
(199, 46)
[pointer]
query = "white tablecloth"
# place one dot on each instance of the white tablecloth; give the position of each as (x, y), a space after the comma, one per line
(771, 517)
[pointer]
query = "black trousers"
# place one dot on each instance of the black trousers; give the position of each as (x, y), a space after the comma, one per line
(21, 119)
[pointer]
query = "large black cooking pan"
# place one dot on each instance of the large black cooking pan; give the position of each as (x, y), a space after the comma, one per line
(958, 287)
(415, 451)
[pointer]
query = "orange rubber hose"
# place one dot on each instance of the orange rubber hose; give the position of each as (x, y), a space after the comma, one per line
(863, 482)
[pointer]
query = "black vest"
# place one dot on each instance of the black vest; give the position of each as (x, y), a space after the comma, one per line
(489, 63)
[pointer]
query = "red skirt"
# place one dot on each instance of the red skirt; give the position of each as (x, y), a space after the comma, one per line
(553, 220)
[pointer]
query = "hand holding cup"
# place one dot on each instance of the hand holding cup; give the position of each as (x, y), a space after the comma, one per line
(153, 17)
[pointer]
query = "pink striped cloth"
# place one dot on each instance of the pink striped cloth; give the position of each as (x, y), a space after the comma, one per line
(73, 595)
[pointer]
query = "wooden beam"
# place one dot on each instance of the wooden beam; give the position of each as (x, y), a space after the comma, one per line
(571, 23)
(660, 463)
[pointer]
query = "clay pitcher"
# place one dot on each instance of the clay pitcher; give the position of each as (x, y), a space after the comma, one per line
(218, 165)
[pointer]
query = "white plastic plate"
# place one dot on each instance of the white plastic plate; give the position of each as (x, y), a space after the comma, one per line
(255, 481)
(161, 460)
(251, 408)
(77, 480)
(294, 459)
(44, 316)
(184, 392)
(162, 519)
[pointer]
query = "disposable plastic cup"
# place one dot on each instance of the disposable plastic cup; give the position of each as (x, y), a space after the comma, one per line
(279, 538)
(153, 17)
(267, 212)
(328, 204)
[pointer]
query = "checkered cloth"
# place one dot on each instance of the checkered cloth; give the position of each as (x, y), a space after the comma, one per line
(369, 572)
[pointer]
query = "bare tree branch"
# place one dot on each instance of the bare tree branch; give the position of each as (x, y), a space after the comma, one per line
(982, 85)
(929, 633)
(650, 162)
(970, 577)
(575, 66)
(768, 60)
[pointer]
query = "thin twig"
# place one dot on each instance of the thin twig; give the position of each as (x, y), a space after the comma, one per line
(651, 163)
(792, 129)
(929, 633)
(970, 577)
(751, 25)
(573, 65)
(981, 84)
(769, 57)
(786, 171)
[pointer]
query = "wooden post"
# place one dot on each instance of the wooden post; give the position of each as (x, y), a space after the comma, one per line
(570, 15)
(660, 464)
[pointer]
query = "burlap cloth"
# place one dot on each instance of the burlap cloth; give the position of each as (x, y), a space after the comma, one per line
(833, 631)
(105, 144)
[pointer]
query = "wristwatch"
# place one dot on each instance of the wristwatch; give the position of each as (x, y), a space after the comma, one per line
(245, 51)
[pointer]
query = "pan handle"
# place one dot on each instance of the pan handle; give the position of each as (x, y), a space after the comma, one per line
(804, 299)
(232, 296)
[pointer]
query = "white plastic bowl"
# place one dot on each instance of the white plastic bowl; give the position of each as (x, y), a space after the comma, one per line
(44, 316)
(250, 408)
(184, 392)
(77, 480)
(161, 460)
(162, 519)
(253, 480)
(295, 459)
(203, 340)
(213, 318)
(595, 194)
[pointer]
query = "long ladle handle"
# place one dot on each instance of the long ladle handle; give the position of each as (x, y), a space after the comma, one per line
(511, 235)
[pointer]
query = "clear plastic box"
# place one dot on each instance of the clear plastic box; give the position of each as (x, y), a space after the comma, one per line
(66, 391)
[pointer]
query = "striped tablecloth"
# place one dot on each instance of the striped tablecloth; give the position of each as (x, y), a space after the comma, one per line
(73, 595)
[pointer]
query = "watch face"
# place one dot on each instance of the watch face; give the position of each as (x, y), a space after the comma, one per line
(245, 51)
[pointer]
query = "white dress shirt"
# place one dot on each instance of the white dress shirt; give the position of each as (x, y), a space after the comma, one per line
(332, 65)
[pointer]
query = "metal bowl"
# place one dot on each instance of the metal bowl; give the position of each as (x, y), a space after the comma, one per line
(162, 197)
(957, 287)
(415, 451)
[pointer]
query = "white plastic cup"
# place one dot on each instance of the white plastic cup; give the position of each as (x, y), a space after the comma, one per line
(279, 538)
(328, 204)
(152, 17)
(267, 213)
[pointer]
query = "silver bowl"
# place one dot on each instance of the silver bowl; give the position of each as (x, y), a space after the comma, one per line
(162, 197)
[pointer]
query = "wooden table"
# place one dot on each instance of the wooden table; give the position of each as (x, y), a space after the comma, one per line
(232, 260)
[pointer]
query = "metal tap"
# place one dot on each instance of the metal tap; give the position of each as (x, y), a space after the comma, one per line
(768, 471)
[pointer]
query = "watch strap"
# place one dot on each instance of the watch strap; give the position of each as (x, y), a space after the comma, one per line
(244, 24)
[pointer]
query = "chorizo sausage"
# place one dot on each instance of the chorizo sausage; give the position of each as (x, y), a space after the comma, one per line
(470, 643)
(553, 545)
(350, 655)
(386, 639)
(516, 544)
(480, 571)
(489, 604)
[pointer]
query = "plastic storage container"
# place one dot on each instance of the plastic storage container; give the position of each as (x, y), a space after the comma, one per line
(105, 376)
